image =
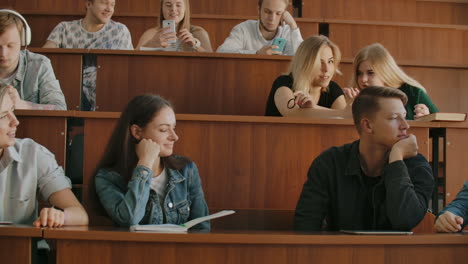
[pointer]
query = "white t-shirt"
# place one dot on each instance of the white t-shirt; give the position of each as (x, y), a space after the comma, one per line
(159, 184)
(246, 38)
(72, 35)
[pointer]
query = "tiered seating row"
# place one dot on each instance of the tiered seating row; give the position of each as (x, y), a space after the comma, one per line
(225, 84)
(421, 11)
(246, 163)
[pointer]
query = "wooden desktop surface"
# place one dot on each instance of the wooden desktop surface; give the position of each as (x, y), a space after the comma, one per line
(110, 245)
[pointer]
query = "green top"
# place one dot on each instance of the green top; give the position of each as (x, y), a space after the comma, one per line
(416, 96)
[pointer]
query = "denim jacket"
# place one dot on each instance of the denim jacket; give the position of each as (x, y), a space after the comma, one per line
(135, 202)
(36, 82)
(459, 206)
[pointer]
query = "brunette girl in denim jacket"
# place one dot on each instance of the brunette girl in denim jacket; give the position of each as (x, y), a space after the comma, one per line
(139, 180)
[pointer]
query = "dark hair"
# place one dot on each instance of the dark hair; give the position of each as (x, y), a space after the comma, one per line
(367, 101)
(120, 154)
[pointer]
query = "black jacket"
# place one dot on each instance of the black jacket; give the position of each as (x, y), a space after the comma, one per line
(335, 193)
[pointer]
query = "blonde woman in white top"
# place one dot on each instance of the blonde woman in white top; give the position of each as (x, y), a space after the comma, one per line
(188, 37)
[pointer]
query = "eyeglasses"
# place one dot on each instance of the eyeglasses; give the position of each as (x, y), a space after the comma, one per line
(291, 103)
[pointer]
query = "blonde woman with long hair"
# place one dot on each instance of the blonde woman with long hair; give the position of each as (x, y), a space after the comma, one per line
(307, 90)
(188, 37)
(374, 66)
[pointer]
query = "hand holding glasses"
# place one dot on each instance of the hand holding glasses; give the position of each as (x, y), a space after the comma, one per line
(303, 100)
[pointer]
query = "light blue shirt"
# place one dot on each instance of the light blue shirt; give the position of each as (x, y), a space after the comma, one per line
(35, 81)
(27, 170)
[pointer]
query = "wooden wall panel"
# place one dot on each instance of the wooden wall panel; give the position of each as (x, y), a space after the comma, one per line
(441, 13)
(42, 25)
(15, 249)
(101, 245)
(457, 166)
(416, 44)
(48, 131)
(202, 85)
(58, 6)
(67, 69)
(147, 7)
(388, 10)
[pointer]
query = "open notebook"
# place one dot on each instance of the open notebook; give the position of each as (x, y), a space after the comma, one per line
(171, 228)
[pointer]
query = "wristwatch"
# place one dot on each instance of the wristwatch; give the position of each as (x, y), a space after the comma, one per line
(197, 44)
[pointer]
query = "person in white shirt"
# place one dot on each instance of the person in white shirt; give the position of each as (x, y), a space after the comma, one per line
(256, 36)
(96, 30)
(28, 171)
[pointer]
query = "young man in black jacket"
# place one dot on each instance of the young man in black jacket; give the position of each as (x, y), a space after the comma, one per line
(379, 182)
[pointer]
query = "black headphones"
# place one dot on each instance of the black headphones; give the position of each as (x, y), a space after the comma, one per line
(26, 32)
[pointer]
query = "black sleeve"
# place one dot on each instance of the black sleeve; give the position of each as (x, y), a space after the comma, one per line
(409, 186)
(335, 91)
(328, 98)
(283, 80)
(312, 206)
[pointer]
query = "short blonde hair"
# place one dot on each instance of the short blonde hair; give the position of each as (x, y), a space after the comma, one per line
(3, 92)
(185, 23)
(384, 65)
(8, 19)
(305, 65)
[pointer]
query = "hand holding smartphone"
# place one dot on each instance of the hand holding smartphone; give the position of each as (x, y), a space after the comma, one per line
(280, 42)
(171, 25)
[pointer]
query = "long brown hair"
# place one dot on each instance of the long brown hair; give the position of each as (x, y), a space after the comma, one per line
(120, 155)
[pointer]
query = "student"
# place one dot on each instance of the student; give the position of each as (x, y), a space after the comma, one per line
(454, 217)
(256, 36)
(307, 90)
(139, 179)
(29, 77)
(95, 31)
(28, 169)
(374, 66)
(188, 37)
(379, 182)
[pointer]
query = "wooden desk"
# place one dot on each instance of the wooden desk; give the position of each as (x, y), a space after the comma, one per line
(107, 245)
(15, 243)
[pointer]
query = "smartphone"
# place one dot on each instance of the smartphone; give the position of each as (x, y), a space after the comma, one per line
(280, 42)
(170, 24)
